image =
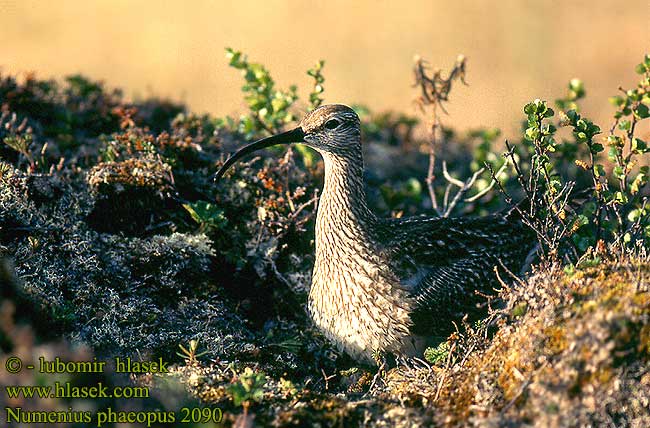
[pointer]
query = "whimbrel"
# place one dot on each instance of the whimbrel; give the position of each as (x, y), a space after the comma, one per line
(391, 285)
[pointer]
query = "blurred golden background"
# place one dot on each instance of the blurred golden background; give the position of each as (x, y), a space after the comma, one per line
(517, 50)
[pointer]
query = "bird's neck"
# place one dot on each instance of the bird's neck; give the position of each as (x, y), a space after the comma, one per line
(344, 219)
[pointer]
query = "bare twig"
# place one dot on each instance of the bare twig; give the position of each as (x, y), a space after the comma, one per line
(466, 186)
(327, 379)
(377, 376)
(434, 91)
(484, 192)
(449, 178)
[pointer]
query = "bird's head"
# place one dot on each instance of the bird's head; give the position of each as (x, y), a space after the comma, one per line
(332, 129)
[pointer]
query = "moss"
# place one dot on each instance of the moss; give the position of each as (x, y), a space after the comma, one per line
(556, 340)
(582, 342)
(565, 352)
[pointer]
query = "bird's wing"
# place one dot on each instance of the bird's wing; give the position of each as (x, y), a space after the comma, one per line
(425, 241)
(448, 293)
(445, 262)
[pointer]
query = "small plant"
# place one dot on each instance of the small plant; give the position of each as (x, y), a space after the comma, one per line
(349, 372)
(247, 388)
(543, 187)
(617, 211)
(315, 99)
(438, 354)
(520, 310)
(207, 215)
(190, 353)
(17, 135)
(434, 90)
(308, 154)
(270, 108)
(288, 388)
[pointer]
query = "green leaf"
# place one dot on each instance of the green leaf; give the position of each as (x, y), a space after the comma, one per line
(582, 137)
(617, 101)
(532, 133)
(640, 68)
(573, 116)
(596, 148)
(615, 140)
(620, 197)
(413, 187)
(642, 111)
(582, 220)
(249, 387)
(618, 172)
(576, 88)
(556, 185)
(206, 214)
(520, 310)
(530, 108)
(235, 59)
(279, 104)
(437, 354)
(594, 129)
(640, 180)
(639, 145)
(612, 154)
(569, 270)
(634, 215)
(547, 129)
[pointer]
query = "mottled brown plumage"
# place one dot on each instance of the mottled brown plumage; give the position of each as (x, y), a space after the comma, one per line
(392, 285)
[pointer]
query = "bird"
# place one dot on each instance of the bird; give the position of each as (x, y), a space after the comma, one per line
(390, 285)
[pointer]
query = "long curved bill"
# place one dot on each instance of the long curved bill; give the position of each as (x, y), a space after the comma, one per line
(293, 136)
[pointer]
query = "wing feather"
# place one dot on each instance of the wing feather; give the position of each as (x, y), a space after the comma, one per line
(445, 262)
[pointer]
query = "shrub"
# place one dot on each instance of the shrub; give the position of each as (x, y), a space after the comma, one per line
(571, 214)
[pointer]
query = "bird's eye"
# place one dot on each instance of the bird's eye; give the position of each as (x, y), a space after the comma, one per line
(332, 123)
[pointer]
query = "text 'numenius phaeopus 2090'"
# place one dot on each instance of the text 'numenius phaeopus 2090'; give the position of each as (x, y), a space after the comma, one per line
(391, 285)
